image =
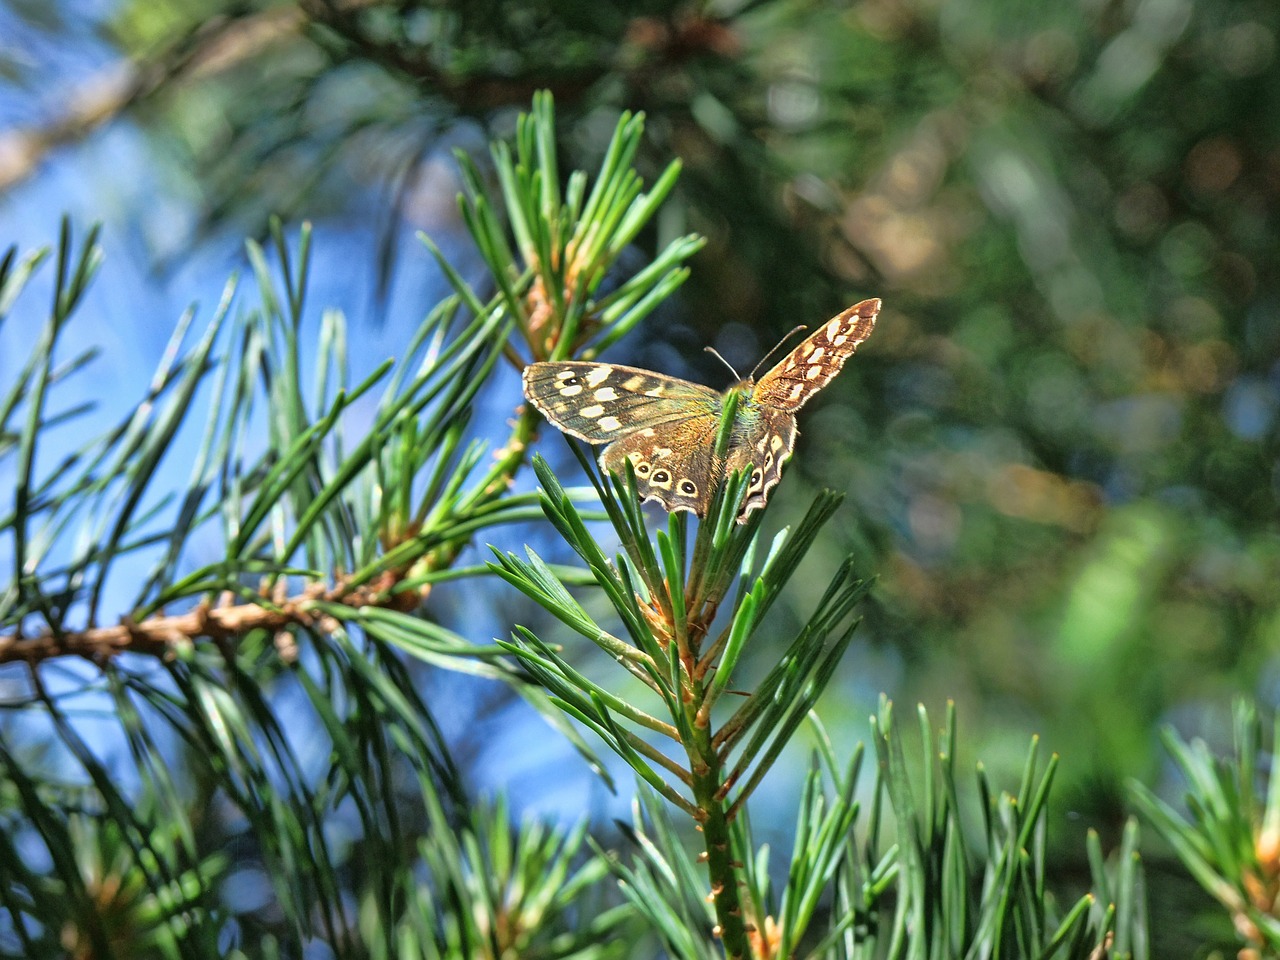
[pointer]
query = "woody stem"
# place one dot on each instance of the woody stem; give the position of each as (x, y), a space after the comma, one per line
(705, 766)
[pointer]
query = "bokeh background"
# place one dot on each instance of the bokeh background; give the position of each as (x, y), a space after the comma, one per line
(1059, 447)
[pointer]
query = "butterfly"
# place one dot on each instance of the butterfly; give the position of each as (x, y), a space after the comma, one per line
(667, 427)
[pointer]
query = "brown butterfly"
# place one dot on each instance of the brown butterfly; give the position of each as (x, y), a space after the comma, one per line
(667, 427)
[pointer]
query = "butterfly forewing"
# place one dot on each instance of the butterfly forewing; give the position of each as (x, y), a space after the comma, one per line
(597, 402)
(812, 365)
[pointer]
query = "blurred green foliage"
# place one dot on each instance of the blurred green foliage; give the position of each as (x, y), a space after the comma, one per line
(1061, 443)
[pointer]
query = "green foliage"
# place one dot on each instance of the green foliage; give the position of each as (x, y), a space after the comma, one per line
(136, 870)
(495, 891)
(689, 612)
(328, 531)
(909, 882)
(1068, 210)
(1228, 836)
(327, 543)
(568, 244)
(122, 884)
(996, 903)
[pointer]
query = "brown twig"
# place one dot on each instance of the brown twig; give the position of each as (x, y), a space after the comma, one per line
(213, 47)
(225, 42)
(164, 636)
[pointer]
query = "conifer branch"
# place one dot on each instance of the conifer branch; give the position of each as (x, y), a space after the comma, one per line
(346, 540)
(213, 47)
(168, 636)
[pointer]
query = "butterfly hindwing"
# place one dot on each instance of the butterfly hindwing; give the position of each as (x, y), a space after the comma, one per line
(761, 451)
(812, 365)
(597, 402)
(673, 462)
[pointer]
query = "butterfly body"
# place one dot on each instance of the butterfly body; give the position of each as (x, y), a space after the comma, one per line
(667, 427)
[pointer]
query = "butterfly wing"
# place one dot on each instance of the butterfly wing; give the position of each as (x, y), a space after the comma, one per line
(762, 442)
(674, 462)
(812, 365)
(597, 402)
(665, 426)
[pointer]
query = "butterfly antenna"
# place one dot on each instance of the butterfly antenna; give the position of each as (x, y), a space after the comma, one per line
(775, 349)
(716, 353)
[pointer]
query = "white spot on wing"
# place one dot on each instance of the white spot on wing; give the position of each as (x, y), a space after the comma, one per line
(593, 411)
(605, 394)
(598, 376)
(609, 423)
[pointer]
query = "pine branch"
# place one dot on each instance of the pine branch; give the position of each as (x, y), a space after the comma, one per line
(167, 636)
(342, 541)
(306, 480)
(1228, 833)
(218, 45)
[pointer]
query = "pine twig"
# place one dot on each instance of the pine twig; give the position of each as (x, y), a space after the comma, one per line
(165, 636)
